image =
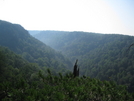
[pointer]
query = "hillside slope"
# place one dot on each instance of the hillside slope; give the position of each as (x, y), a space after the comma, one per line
(13, 66)
(17, 39)
(102, 56)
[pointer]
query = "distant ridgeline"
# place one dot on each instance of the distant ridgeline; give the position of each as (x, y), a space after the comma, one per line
(102, 56)
(17, 39)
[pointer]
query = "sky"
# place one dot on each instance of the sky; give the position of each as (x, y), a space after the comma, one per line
(99, 16)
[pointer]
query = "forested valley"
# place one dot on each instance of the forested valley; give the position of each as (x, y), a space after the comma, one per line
(31, 70)
(102, 56)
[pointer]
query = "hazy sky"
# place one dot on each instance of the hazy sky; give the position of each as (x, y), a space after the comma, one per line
(100, 16)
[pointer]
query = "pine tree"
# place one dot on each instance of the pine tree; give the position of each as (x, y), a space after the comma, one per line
(76, 69)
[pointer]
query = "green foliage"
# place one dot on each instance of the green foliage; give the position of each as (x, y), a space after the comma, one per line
(54, 88)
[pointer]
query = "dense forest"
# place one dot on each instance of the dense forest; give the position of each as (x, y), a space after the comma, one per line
(102, 56)
(24, 81)
(17, 39)
(32, 71)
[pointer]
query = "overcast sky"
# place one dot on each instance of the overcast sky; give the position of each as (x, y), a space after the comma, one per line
(100, 16)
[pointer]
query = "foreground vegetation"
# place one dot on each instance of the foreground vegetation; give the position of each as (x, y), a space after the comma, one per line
(63, 88)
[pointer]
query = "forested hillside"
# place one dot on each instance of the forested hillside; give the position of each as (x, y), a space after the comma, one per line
(17, 39)
(24, 81)
(13, 66)
(102, 56)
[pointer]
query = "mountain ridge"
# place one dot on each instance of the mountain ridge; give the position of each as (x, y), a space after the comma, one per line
(16, 38)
